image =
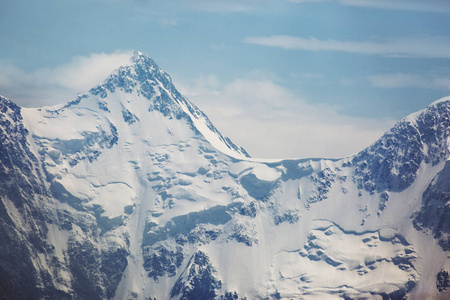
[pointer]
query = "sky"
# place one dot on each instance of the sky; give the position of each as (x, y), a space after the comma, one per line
(282, 78)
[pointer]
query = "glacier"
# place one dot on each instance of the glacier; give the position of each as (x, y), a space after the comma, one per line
(130, 192)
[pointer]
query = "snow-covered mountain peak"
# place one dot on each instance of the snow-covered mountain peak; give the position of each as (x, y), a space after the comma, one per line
(142, 76)
(140, 58)
(438, 102)
(392, 163)
(142, 91)
(438, 107)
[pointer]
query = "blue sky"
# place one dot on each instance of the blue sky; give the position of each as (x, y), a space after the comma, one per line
(282, 78)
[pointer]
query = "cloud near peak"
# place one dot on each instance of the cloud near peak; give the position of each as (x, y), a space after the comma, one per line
(60, 84)
(270, 121)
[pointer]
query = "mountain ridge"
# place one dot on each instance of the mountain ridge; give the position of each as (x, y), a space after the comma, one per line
(122, 194)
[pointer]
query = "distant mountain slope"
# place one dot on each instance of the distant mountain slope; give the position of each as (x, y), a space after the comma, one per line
(129, 192)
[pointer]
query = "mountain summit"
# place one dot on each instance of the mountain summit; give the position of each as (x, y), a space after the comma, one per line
(130, 192)
(145, 82)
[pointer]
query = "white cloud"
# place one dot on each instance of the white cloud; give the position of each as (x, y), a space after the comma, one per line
(168, 22)
(440, 6)
(443, 82)
(399, 80)
(146, 16)
(425, 46)
(229, 6)
(60, 84)
(407, 80)
(312, 76)
(271, 122)
(84, 72)
(435, 6)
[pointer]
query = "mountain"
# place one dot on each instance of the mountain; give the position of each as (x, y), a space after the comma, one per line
(130, 192)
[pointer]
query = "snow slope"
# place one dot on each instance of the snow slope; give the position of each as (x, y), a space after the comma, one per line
(136, 195)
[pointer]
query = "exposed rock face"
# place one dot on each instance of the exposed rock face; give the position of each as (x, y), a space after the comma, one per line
(129, 192)
(435, 212)
(442, 281)
(198, 280)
